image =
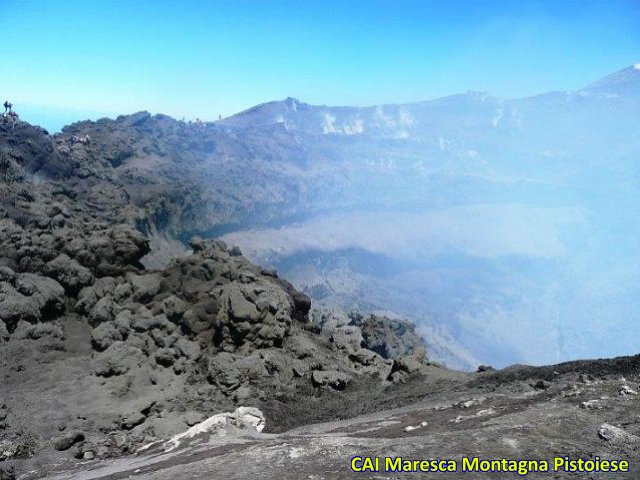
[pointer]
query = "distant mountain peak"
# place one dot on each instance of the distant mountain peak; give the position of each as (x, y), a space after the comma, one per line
(292, 102)
(622, 82)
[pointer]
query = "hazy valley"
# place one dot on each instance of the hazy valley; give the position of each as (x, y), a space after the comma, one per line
(479, 218)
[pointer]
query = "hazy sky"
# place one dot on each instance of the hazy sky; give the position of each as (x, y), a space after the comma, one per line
(205, 58)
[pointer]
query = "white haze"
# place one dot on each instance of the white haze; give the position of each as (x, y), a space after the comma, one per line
(485, 231)
(510, 227)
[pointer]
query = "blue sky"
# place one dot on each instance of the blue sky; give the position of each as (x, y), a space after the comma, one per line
(66, 60)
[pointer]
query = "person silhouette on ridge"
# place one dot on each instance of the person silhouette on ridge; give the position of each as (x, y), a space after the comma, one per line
(7, 106)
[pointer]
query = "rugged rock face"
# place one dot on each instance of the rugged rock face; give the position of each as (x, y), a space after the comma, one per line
(28, 297)
(100, 355)
(390, 338)
(148, 351)
(181, 177)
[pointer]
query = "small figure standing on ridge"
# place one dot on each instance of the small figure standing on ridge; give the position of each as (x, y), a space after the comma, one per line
(7, 106)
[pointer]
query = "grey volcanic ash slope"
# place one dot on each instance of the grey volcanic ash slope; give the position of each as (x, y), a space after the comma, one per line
(99, 355)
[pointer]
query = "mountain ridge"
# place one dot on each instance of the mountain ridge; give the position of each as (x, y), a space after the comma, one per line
(628, 75)
(115, 334)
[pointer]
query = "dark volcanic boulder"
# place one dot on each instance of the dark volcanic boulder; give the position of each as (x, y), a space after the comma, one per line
(89, 296)
(29, 297)
(4, 332)
(118, 359)
(258, 315)
(67, 441)
(232, 302)
(104, 335)
(390, 338)
(121, 247)
(145, 286)
(69, 273)
(334, 379)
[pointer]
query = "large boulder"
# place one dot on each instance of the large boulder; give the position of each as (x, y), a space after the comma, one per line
(332, 378)
(104, 310)
(29, 297)
(189, 349)
(253, 316)
(221, 297)
(104, 335)
(89, 296)
(389, 338)
(4, 332)
(25, 330)
(15, 307)
(108, 250)
(118, 359)
(145, 286)
(69, 273)
(347, 338)
(68, 440)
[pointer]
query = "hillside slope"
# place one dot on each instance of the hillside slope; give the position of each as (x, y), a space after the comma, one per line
(99, 354)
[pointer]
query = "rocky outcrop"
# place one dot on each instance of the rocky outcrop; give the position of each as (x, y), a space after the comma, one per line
(28, 297)
(390, 338)
(368, 338)
(101, 355)
(69, 273)
(208, 332)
